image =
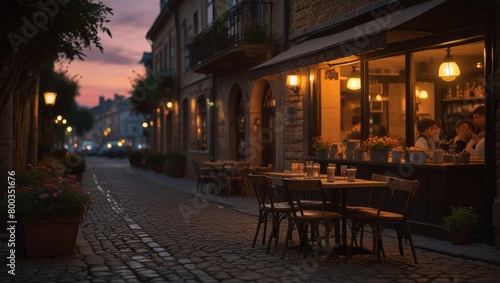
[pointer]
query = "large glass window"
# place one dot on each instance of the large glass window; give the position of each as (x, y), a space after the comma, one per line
(340, 105)
(387, 99)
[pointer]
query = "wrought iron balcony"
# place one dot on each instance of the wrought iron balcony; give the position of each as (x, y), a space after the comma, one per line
(235, 40)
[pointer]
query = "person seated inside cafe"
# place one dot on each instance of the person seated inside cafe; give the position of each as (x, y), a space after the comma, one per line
(428, 130)
(465, 140)
(355, 133)
(479, 118)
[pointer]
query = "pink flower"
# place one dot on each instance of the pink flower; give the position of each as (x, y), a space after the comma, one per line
(44, 196)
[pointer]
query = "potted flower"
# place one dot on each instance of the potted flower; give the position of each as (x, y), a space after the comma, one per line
(416, 155)
(174, 164)
(461, 223)
(322, 145)
(379, 147)
(48, 210)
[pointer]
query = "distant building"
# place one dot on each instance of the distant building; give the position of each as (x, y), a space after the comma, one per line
(114, 120)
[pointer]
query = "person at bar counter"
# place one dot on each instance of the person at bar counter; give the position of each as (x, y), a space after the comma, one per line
(479, 119)
(465, 140)
(428, 130)
(355, 133)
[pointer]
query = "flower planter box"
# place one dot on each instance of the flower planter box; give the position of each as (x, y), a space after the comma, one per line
(48, 238)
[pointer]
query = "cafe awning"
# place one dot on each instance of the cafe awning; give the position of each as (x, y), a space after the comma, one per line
(368, 36)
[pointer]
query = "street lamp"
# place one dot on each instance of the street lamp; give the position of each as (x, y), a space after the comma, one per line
(50, 100)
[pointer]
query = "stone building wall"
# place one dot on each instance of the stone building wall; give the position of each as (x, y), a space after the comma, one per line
(305, 16)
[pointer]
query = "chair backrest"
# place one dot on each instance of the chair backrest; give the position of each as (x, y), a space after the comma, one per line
(196, 167)
(299, 190)
(382, 178)
(276, 189)
(259, 186)
(399, 196)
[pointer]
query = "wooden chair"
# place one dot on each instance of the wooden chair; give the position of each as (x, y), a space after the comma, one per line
(304, 218)
(204, 176)
(235, 176)
(267, 206)
(392, 211)
(371, 204)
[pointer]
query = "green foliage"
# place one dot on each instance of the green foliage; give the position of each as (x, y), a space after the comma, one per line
(149, 90)
(156, 158)
(175, 160)
(40, 194)
(461, 217)
(257, 33)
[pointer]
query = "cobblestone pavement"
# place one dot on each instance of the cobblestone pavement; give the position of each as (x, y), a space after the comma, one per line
(140, 231)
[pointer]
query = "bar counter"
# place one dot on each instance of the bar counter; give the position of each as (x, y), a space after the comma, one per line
(441, 185)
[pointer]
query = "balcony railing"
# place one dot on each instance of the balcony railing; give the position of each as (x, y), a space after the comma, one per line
(246, 23)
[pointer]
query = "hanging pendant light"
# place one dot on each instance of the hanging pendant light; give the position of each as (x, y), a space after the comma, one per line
(449, 70)
(354, 81)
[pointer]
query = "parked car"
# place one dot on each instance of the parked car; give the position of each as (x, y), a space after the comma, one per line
(114, 149)
(88, 148)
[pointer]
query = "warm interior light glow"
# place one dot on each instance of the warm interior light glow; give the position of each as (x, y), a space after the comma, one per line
(449, 70)
(293, 83)
(378, 97)
(50, 98)
(423, 94)
(144, 124)
(169, 104)
(354, 81)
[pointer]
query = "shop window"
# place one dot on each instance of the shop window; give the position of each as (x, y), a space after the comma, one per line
(386, 97)
(450, 101)
(339, 105)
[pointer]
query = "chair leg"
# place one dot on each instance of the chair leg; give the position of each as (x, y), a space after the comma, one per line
(410, 239)
(258, 228)
(287, 238)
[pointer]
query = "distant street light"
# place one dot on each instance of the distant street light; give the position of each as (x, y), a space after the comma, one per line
(50, 100)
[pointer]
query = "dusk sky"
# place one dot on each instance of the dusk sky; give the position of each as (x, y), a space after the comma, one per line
(104, 74)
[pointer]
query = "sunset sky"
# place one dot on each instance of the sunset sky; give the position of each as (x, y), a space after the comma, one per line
(104, 74)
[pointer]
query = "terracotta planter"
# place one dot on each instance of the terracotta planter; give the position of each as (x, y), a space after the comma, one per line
(48, 238)
(461, 236)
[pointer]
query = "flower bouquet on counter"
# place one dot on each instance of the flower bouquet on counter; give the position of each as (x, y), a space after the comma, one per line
(322, 145)
(379, 144)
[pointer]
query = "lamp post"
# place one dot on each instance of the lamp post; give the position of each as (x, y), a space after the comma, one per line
(50, 99)
(145, 133)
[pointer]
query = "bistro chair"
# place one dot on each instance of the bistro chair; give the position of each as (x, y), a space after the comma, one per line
(204, 176)
(370, 205)
(393, 212)
(235, 176)
(303, 217)
(267, 206)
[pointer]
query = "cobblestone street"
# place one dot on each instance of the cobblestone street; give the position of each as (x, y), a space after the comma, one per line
(141, 231)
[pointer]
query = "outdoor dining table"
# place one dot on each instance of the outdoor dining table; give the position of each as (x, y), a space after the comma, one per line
(341, 184)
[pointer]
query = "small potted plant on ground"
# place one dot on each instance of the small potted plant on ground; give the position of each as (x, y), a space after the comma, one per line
(461, 223)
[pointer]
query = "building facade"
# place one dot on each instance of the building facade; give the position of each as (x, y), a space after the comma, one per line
(232, 100)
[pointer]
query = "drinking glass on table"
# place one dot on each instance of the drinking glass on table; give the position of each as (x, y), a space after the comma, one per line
(343, 171)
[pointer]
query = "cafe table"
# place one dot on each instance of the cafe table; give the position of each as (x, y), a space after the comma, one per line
(343, 186)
